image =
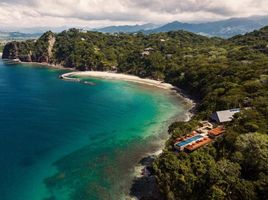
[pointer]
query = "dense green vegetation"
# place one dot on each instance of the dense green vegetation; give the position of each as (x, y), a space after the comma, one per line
(221, 74)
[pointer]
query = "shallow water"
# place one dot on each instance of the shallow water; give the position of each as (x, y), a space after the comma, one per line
(66, 140)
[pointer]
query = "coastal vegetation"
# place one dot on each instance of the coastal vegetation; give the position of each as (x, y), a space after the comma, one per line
(220, 74)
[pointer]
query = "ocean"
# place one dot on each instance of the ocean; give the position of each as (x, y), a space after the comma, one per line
(62, 140)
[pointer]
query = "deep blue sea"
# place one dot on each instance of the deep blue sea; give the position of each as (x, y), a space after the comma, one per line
(63, 140)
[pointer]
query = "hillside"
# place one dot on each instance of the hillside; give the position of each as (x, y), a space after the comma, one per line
(235, 165)
(221, 74)
(257, 39)
(97, 51)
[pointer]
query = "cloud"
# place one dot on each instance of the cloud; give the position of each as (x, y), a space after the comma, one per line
(91, 13)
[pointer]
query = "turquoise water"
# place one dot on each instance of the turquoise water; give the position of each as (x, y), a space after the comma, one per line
(63, 140)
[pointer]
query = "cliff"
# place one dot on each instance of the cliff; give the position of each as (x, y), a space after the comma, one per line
(10, 51)
(40, 50)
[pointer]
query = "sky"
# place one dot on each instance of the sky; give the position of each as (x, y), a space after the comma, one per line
(100, 13)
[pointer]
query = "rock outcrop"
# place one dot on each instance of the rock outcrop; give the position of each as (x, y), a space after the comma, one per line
(40, 50)
(10, 51)
(17, 50)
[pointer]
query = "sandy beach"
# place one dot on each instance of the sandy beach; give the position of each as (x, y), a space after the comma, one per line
(124, 77)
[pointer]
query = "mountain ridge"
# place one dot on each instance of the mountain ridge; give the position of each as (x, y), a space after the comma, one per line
(126, 28)
(15, 35)
(223, 28)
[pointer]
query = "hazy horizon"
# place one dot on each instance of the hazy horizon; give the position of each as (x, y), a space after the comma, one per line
(40, 29)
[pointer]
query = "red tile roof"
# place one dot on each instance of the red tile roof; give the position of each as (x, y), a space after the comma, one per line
(198, 144)
(216, 131)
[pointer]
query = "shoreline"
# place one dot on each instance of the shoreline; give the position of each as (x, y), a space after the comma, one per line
(144, 182)
(52, 66)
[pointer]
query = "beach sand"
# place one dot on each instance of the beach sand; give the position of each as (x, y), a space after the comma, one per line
(124, 77)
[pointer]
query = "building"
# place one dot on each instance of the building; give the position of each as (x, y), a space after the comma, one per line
(200, 143)
(216, 132)
(224, 115)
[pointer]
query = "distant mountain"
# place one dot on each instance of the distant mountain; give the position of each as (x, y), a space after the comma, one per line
(224, 28)
(18, 35)
(36, 29)
(127, 28)
(44, 29)
(173, 26)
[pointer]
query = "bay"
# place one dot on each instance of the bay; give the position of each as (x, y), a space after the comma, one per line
(66, 140)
